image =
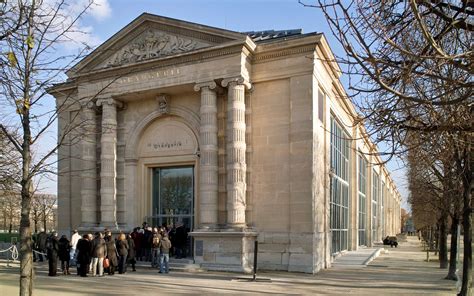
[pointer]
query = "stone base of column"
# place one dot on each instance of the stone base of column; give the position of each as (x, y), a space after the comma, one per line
(112, 226)
(223, 250)
(89, 228)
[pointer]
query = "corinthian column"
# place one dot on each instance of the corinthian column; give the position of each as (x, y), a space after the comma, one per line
(208, 168)
(235, 152)
(89, 166)
(108, 162)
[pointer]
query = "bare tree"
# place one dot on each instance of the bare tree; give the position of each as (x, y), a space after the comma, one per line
(10, 211)
(42, 210)
(32, 59)
(410, 66)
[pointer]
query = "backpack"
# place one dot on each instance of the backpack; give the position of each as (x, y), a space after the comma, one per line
(156, 242)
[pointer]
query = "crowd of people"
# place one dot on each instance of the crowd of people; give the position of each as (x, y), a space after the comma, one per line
(95, 255)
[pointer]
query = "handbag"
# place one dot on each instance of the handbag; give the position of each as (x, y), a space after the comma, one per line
(106, 263)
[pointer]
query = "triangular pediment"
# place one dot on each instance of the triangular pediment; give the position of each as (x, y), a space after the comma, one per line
(151, 44)
(151, 37)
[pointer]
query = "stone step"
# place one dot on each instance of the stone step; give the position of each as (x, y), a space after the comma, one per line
(177, 265)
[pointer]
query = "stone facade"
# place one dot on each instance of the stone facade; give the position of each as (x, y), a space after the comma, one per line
(250, 117)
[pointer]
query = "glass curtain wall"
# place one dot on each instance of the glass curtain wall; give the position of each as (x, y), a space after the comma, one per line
(339, 205)
(362, 201)
(375, 198)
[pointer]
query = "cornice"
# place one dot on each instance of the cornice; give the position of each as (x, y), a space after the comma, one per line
(275, 54)
(282, 48)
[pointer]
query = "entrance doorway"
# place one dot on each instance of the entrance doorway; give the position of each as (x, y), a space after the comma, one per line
(173, 204)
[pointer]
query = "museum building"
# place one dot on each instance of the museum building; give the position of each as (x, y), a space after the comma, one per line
(238, 136)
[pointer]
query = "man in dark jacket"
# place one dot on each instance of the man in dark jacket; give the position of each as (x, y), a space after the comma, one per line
(99, 251)
(84, 250)
(146, 243)
(41, 244)
(181, 237)
(52, 249)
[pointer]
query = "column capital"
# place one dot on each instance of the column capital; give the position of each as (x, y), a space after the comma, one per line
(87, 103)
(109, 101)
(208, 84)
(239, 80)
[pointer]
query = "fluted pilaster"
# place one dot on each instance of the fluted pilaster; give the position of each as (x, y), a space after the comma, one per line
(208, 189)
(235, 152)
(108, 162)
(89, 165)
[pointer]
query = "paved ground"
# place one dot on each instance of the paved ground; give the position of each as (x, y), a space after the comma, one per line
(401, 271)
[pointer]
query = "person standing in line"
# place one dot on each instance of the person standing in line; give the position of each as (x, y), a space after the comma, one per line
(91, 238)
(84, 250)
(146, 244)
(111, 253)
(74, 239)
(181, 237)
(52, 249)
(34, 238)
(99, 251)
(64, 256)
(131, 252)
(155, 248)
(41, 244)
(122, 249)
(165, 246)
(137, 236)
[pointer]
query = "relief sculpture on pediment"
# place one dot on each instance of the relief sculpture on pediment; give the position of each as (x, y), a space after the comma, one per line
(152, 44)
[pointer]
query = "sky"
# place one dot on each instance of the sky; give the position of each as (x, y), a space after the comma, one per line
(107, 17)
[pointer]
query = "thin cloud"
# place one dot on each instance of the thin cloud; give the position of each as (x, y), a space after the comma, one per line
(100, 10)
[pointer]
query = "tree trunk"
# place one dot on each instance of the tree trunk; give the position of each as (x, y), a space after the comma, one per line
(26, 255)
(454, 250)
(10, 227)
(443, 242)
(467, 227)
(44, 222)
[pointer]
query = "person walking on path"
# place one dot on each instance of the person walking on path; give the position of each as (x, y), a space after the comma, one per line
(64, 256)
(52, 246)
(84, 250)
(99, 251)
(131, 252)
(122, 249)
(165, 246)
(111, 253)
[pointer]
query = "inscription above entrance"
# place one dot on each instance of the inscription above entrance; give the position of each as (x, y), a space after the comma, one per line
(167, 137)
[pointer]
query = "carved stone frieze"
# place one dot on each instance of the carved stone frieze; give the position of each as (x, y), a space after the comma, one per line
(152, 44)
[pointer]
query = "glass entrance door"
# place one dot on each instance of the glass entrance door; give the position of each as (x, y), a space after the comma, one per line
(173, 196)
(173, 204)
